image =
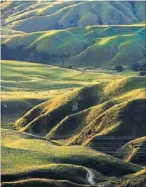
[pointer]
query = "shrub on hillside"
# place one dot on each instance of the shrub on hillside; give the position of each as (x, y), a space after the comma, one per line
(142, 73)
(138, 67)
(119, 68)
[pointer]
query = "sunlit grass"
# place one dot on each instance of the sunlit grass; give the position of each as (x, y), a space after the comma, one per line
(19, 152)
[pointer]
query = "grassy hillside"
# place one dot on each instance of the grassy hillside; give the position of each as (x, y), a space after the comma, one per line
(32, 16)
(135, 180)
(104, 46)
(25, 85)
(61, 106)
(22, 159)
(134, 151)
(108, 116)
(30, 77)
(42, 182)
(22, 89)
(6, 31)
(69, 117)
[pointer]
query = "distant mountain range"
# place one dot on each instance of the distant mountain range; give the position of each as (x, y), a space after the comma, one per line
(85, 34)
(37, 16)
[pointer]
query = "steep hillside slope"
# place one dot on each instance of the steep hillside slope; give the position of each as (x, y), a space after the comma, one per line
(98, 126)
(134, 151)
(25, 84)
(34, 16)
(136, 180)
(100, 46)
(50, 113)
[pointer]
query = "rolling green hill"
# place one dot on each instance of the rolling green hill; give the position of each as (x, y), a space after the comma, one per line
(67, 115)
(33, 16)
(92, 115)
(50, 161)
(100, 46)
(63, 122)
(25, 85)
(22, 89)
(70, 118)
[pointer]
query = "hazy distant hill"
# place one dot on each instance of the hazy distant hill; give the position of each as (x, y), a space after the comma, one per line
(37, 16)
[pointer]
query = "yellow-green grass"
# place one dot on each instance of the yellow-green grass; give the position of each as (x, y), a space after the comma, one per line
(111, 117)
(135, 180)
(66, 14)
(82, 47)
(25, 77)
(134, 151)
(73, 124)
(42, 182)
(60, 107)
(26, 84)
(6, 31)
(21, 153)
(23, 81)
(76, 174)
(35, 77)
(12, 109)
(114, 122)
(118, 93)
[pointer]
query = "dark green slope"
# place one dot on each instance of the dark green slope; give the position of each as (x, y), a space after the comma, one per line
(51, 112)
(42, 182)
(98, 46)
(134, 151)
(136, 180)
(96, 116)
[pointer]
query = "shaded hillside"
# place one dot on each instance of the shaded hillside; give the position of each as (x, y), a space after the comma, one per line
(48, 164)
(25, 85)
(41, 182)
(33, 16)
(85, 47)
(112, 115)
(76, 174)
(49, 161)
(136, 180)
(50, 113)
(134, 151)
(121, 126)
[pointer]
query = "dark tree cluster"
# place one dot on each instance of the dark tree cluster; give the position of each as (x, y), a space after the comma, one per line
(119, 68)
(138, 67)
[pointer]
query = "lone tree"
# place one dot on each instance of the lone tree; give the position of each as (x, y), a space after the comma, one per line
(142, 73)
(70, 67)
(119, 68)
